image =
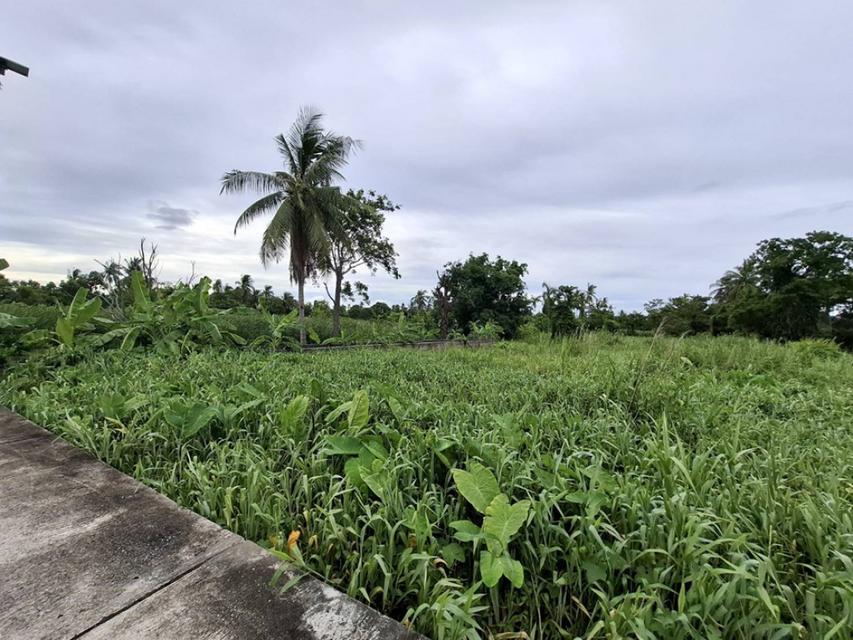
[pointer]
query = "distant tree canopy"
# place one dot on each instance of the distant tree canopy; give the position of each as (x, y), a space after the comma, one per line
(790, 289)
(683, 315)
(481, 290)
(568, 309)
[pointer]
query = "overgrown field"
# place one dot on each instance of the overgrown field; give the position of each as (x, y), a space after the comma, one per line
(606, 486)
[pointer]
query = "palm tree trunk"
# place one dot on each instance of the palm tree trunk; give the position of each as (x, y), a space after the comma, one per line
(336, 310)
(301, 288)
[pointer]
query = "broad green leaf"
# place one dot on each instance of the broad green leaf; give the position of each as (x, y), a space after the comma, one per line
(86, 311)
(359, 411)
(594, 571)
(503, 520)
(375, 477)
(352, 472)
(343, 445)
(396, 409)
(293, 414)
(513, 570)
(466, 531)
(65, 331)
(196, 419)
(140, 292)
(250, 390)
(7, 321)
(129, 340)
(491, 569)
(334, 414)
(452, 553)
(375, 446)
(477, 485)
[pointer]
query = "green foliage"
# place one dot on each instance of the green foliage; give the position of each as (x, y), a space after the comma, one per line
(790, 288)
(680, 316)
(675, 488)
(177, 323)
(477, 485)
(568, 309)
(77, 316)
(502, 521)
(481, 290)
(305, 207)
(356, 241)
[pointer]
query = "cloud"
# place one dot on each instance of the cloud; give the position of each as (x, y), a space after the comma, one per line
(821, 211)
(645, 148)
(168, 217)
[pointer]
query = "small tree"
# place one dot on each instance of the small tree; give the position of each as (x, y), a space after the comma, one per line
(484, 291)
(358, 242)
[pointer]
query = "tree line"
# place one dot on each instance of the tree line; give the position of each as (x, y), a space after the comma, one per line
(787, 289)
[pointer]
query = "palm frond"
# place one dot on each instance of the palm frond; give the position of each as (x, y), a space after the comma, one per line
(278, 234)
(287, 152)
(236, 181)
(265, 204)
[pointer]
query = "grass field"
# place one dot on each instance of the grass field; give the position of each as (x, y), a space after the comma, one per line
(695, 488)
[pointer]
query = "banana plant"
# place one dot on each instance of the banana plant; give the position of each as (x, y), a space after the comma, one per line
(78, 315)
(173, 325)
(279, 331)
(501, 521)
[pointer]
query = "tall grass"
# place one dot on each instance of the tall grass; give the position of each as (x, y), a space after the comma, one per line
(697, 488)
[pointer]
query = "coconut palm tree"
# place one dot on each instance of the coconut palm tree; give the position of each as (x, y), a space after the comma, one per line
(735, 281)
(305, 206)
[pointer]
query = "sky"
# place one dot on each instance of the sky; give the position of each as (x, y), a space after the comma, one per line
(645, 147)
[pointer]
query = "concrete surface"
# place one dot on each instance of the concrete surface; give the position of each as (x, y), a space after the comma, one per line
(88, 552)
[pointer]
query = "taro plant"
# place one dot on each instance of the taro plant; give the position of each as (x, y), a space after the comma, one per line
(367, 454)
(501, 521)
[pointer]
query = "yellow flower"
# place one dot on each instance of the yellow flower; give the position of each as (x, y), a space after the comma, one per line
(292, 539)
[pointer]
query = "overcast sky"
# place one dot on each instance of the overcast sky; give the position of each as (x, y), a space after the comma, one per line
(642, 146)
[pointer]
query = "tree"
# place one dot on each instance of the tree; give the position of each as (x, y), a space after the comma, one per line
(568, 309)
(483, 291)
(561, 306)
(791, 288)
(421, 302)
(247, 293)
(305, 206)
(358, 243)
(443, 304)
(682, 315)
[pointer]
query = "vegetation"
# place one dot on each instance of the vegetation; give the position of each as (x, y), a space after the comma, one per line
(480, 291)
(596, 486)
(603, 475)
(305, 204)
(358, 242)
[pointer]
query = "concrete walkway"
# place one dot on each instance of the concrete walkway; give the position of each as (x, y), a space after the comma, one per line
(88, 552)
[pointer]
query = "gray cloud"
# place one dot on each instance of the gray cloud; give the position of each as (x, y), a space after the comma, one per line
(645, 147)
(168, 217)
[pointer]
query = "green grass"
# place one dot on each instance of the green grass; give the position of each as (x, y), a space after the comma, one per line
(697, 488)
